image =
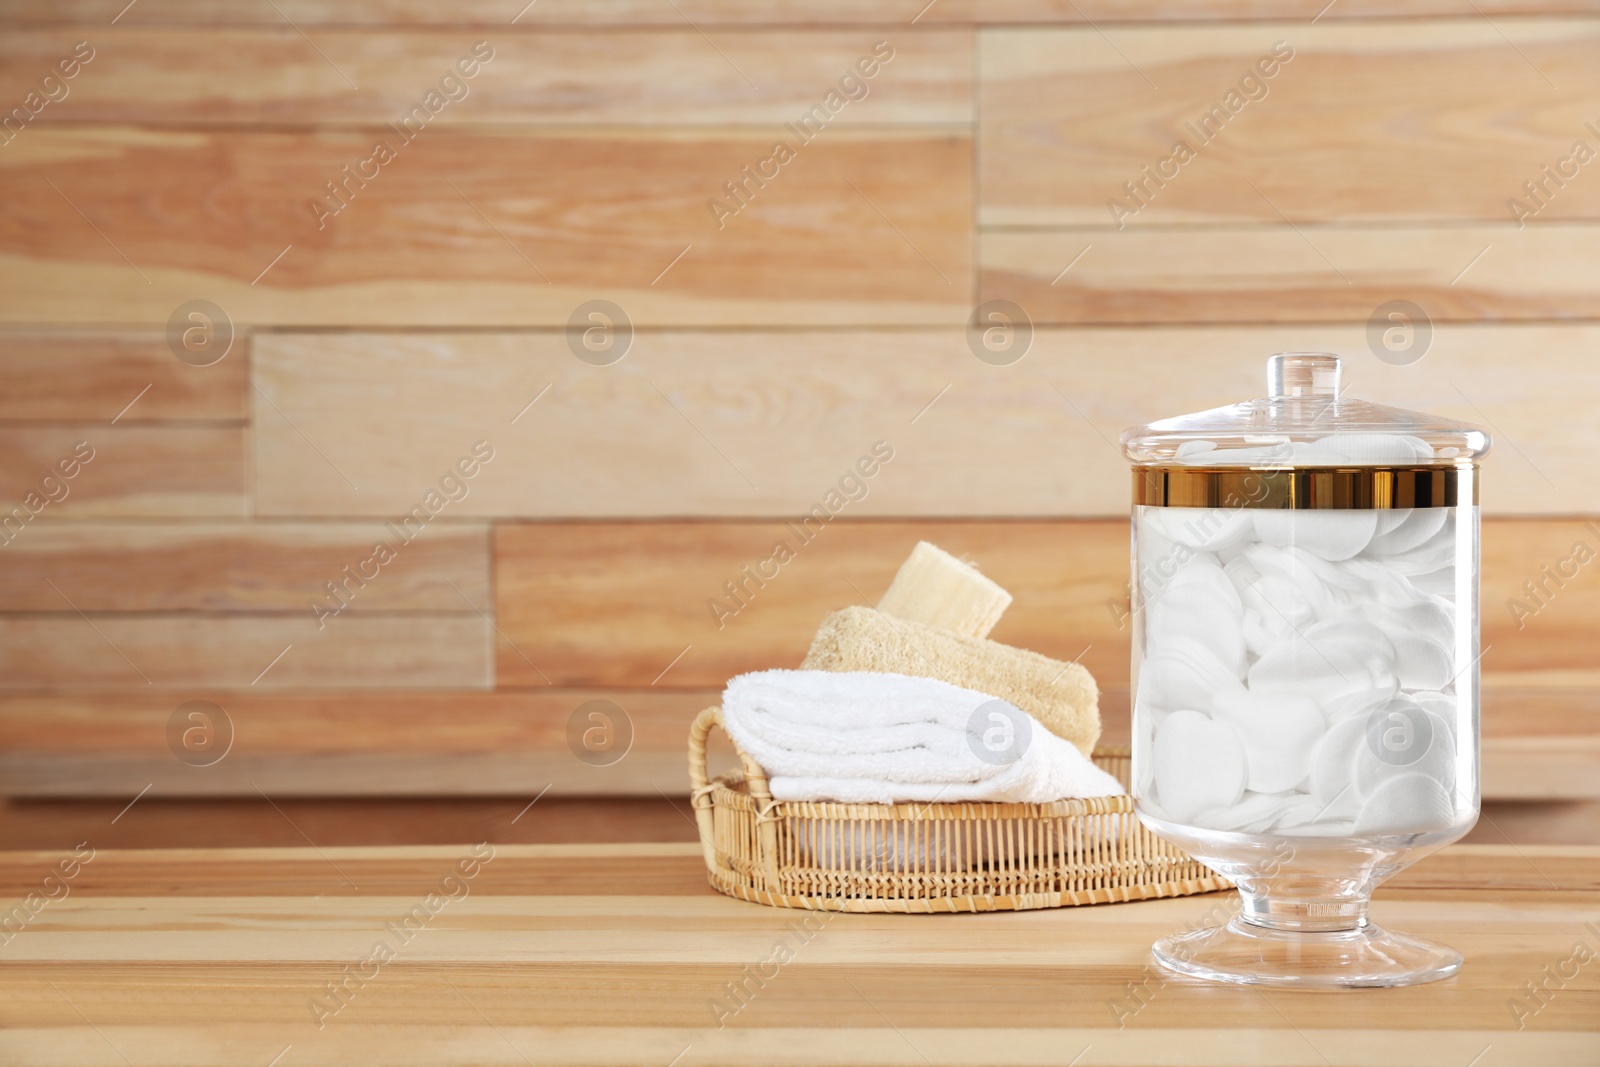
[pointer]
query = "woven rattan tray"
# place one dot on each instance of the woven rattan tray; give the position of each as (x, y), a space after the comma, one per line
(929, 857)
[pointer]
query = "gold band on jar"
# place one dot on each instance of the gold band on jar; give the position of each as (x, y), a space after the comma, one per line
(1305, 487)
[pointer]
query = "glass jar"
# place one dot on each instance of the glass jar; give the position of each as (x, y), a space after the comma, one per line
(1305, 667)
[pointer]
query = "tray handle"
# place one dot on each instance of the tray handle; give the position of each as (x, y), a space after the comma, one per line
(700, 797)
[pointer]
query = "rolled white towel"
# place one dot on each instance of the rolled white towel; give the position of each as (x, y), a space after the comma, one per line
(874, 738)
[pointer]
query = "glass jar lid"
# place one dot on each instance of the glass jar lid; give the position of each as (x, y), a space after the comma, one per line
(1303, 421)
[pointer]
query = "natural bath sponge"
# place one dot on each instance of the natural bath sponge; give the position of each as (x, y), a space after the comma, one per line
(1062, 696)
(937, 589)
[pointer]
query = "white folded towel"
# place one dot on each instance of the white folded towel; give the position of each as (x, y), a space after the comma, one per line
(873, 738)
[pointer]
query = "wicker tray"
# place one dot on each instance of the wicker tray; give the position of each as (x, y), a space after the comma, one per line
(929, 857)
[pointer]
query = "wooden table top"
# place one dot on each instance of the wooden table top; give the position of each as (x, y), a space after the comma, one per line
(621, 954)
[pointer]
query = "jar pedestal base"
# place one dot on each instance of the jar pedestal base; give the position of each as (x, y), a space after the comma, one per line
(1247, 954)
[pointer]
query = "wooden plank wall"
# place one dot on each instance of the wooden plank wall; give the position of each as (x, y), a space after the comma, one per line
(402, 315)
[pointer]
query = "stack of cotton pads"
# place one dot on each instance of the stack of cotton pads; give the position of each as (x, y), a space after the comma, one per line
(1300, 665)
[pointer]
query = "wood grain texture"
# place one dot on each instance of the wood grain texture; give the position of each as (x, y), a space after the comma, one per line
(662, 870)
(628, 13)
(775, 346)
(476, 228)
(627, 604)
(1540, 743)
(734, 423)
(415, 743)
(131, 377)
(270, 74)
(1537, 822)
(611, 954)
(615, 604)
(253, 822)
(572, 873)
(142, 471)
(1358, 126)
(1332, 273)
(246, 567)
(598, 604)
(1540, 595)
(129, 652)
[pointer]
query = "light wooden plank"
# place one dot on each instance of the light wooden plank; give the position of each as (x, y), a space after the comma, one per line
(602, 1043)
(479, 228)
(648, 775)
(226, 822)
(1539, 743)
(414, 743)
(1322, 273)
(628, 604)
(412, 723)
(627, 13)
(616, 604)
(1538, 822)
(235, 822)
(569, 612)
(130, 377)
(547, 941)
(1444, 122)
(662, 869)
(120, 471)
(169, 75)
(686, 932)
(735, 423)
(355, 651)
(247, 567)
(579, 877)
(1540, 597)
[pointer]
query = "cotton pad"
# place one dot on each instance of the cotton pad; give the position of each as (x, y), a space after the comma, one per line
(1199, 764)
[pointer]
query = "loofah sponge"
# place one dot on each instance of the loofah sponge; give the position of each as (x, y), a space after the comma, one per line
(935, 588)
(1062, 696)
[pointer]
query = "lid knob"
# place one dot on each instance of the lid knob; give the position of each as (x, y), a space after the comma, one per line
(1303, 374)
